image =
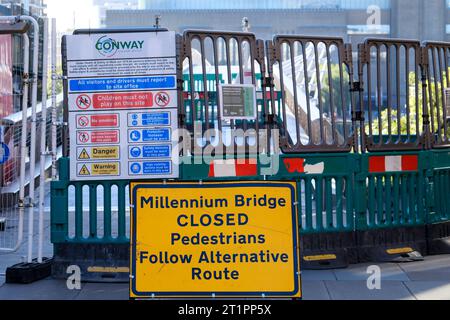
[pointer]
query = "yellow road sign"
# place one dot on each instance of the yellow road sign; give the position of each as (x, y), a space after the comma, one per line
(227, 239)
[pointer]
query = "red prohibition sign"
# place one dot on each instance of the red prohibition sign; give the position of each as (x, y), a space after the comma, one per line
(162, 99)
(83, 137)
(84, 102)
(83, 121)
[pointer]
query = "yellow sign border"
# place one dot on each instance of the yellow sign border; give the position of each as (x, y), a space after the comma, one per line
(297, 294)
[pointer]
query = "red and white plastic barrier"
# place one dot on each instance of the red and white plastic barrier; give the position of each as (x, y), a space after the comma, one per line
(381, 164)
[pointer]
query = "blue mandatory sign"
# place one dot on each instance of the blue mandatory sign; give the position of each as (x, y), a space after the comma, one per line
(135, 152)
(122, 84)
(4, 153)
(157, 168)
(135, 168)
(135, 136)
(155, 119)
(150, 135)
(156, 135)
(150, 152)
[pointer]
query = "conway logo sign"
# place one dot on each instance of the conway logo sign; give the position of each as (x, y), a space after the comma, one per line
(108, 47)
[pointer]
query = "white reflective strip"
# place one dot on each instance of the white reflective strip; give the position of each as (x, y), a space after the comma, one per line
(393, 163)
(315, 169)
(224, 168)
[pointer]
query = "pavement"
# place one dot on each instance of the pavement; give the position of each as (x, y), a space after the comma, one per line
(424, 280)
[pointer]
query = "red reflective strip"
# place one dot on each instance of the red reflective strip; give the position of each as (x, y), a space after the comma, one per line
(247, 168)
(212, 173)
(377, 164)
(410, 163)
(294, 165)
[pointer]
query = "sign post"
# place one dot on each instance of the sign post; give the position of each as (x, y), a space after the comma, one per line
(214, 240)
(123, 111)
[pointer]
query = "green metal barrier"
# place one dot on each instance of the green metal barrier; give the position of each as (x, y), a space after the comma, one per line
(393, 196)
(352, 208)
(438, 199)
(392, 210)
(440, 187)
(60, 210)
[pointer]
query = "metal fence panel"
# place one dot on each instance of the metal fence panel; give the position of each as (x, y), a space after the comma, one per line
(390, 71)
(438, 99)
(314, 75)
(212, 58)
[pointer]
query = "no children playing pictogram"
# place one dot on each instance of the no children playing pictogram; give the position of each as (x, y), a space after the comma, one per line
(84, 102)
(162, 99)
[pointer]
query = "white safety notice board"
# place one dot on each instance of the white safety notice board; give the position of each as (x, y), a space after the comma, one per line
(123, 108)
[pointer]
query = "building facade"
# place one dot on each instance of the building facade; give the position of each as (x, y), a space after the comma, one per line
(104, 5)
(352, 20)
(35, 7)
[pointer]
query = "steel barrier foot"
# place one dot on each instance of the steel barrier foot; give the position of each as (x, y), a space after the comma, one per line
(25, 273)
(97, 262)
(328, 251)
(438, 238)
(392, 245)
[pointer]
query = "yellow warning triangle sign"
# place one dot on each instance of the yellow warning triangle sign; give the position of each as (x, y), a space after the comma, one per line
(84, 171)
(84, 155)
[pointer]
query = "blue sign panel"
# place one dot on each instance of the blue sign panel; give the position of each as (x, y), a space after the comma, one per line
(4, 153)
(156, 119)
(156, 135)
(151, 168)
(135, 168)
(122, 84)
(150, 152)
(150, 135)
(149, 119)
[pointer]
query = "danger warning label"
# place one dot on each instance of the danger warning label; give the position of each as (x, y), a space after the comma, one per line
(99, 153)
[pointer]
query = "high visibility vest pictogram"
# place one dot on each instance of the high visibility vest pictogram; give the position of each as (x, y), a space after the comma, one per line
(84, 171)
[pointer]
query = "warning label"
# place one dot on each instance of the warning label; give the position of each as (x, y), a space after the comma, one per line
(98, 121)
(99, 169)
(99, 153)
(89, 137)
(123, 100)
(84, 171)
